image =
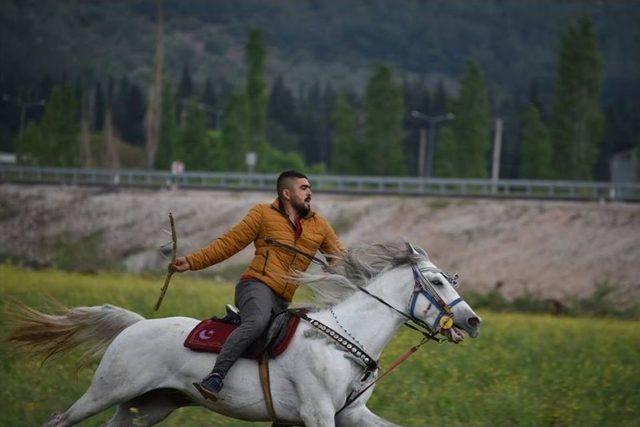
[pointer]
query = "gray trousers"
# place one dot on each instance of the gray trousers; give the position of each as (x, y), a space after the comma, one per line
(257, 304)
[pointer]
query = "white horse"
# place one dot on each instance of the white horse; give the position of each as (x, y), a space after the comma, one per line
(147, 372)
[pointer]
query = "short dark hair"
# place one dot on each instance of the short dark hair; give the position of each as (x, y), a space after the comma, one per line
(285, 178)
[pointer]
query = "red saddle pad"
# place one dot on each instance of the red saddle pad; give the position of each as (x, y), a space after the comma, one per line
(210, 334)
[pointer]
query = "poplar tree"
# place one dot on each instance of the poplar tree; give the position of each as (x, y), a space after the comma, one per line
(536, 146)
(256, 89)
(194, 139)
(153, 115)
(346, 153)
(235, 133)
(169, 147)
(472, 125)
(383, 131)
(577, 123)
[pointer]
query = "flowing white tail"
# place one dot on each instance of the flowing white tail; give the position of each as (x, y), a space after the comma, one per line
(49, 335)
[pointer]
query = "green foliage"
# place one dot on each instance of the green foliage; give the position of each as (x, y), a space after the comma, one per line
(316, 168)
(82, 255)
(256, 89)
(536, 147)
(384, 151)
(511, 375)
(274, 160)
(236, 140)
(446, 154)
(472, 125)
(602, 302)
(55, 140)
(169, 148)
(577, 117)
(347, 152)
(197, 146)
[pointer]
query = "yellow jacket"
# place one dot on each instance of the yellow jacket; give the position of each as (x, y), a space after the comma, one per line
(271, 264)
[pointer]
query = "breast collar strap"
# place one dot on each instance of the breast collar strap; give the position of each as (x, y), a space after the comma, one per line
(346, 345)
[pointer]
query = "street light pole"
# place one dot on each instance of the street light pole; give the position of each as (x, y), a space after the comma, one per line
(428, 145)
(23, 108)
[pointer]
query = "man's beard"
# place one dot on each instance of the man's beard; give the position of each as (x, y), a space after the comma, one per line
(301, 207)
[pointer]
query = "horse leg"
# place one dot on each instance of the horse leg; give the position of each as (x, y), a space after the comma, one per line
(318, 412)
(89, 404)
(361, 416)
(105, 391)
(148, 409)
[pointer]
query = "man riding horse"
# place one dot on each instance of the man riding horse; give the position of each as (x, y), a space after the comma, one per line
(286, 235)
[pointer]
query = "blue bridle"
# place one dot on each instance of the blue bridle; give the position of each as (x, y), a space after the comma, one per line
(423, 286)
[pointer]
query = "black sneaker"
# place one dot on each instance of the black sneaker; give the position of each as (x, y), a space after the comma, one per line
(210, 386)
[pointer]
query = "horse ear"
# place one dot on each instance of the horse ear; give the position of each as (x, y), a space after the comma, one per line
(411, 249)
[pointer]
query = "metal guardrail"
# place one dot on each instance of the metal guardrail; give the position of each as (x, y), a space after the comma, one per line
(563, 190)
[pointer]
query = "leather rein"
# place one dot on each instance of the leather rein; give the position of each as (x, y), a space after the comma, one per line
(422, 286)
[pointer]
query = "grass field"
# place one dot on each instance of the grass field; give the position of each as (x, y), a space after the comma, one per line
(522, 370)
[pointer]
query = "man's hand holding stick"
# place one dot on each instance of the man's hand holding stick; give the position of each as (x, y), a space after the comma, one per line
(172, 268)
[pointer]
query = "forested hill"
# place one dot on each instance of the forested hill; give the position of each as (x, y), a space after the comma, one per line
(309, 41)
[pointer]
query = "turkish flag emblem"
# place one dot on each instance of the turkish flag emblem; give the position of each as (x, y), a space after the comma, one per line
(206, 334)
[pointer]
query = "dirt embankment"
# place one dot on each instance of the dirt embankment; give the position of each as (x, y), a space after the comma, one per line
(552, 248)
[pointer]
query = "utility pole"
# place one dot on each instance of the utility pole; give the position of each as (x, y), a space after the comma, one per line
(495, 164)
(421, 151)
(430, 145)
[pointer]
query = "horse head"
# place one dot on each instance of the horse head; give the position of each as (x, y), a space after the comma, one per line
(435, 301)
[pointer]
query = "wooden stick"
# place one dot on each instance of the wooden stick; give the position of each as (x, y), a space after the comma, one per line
(174, 251)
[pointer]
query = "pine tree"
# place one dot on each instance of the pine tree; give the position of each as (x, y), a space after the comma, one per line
(185, 89)
(347, 153)
(282, 115)
(29, 146)
(536, 147)
(256, 89)
(440, 101)
(445, 162)
(383, 130)
(534, 96)
(281, 108)
(577, 117)
(87, 126)
(59, 131)
(100, 107)
(210, 101)
(128, 109)
(472, 125)
(111, 153)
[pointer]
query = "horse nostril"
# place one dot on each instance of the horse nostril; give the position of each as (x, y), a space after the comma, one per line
(473, 322)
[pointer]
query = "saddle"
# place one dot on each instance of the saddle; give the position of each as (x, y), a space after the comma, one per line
(211, 334)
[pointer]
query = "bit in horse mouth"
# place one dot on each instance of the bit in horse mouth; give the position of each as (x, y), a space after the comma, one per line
(456, 335)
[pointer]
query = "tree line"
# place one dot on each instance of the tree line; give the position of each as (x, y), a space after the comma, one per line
(211, 127)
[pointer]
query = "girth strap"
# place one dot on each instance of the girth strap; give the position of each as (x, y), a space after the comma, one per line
(263, 368)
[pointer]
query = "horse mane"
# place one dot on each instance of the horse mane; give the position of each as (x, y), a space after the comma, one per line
(357, 266)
